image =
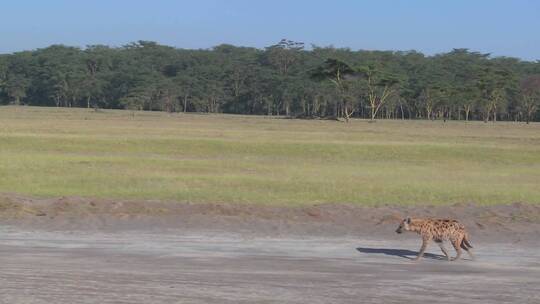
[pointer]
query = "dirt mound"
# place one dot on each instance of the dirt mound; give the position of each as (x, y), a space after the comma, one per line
(517, 221)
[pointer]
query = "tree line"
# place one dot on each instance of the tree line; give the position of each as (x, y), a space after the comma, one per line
(283, 79)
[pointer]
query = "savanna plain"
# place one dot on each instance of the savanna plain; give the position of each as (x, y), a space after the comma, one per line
(49, 152)
(116, 206)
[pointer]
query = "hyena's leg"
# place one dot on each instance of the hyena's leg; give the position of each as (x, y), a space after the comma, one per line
(443, 249)
(469, 251)
(425, 241)
(456, 243)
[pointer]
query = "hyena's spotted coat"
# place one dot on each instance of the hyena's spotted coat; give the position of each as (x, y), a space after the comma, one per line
(439, 230)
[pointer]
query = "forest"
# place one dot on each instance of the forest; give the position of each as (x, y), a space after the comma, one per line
(285, 79)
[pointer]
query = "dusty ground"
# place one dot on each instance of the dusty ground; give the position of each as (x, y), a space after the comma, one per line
(75, 250)
(213, 267)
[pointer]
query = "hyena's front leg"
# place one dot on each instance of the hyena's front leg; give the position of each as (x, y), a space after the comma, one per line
(425, 241)
(443, 249)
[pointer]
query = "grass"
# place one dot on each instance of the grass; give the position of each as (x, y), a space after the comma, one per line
(226, 158)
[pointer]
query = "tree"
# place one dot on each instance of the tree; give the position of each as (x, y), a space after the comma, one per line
(493, 83)
(337, 72)
(61, 72)
(185, 85)
(282, 57)
(462, 69)
(284, 54)
(380, 86)
(530, 101)
(15, 78)
(282, 79)
(3, 75)
(16, 87)
(98, 62)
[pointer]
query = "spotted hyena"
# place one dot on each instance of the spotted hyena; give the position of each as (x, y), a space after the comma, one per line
(438, 230)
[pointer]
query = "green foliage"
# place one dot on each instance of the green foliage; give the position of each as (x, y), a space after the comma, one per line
(530, 97)
(282, 79)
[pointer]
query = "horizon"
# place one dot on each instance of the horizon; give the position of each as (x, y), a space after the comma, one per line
(423, 26)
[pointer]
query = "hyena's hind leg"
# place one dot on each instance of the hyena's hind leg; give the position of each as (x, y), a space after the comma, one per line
(468, 249)
(443, 249)
(457, 246)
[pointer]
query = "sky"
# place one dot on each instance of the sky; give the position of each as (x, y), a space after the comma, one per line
(502, 28)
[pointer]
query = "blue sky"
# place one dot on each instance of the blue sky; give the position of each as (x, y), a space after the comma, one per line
(503, 28)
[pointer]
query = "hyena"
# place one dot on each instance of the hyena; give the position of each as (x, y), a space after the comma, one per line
(439, 230)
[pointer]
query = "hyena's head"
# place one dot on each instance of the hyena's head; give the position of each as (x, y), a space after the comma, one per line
(404, 225)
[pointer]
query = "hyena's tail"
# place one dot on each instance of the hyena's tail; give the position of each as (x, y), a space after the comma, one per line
(466, 241)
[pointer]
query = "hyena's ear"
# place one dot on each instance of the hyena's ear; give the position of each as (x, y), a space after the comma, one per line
(408, 220)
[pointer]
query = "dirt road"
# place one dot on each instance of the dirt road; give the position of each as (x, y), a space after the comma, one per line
(175, 266)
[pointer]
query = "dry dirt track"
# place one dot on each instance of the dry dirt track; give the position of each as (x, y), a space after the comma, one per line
(174, 266)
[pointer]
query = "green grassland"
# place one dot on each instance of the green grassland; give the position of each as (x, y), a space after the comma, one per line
(251, 159)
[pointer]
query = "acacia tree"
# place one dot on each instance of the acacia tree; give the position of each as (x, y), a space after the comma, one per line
(186, 86)
(15, 78)
(460, 71)
(283, 56)
(380, 86)
(497, 99)
(493, 83)
(168, 95)
(467, 99)
(337, 72)
(3, 73)
(98, 62)
(16, 87)
(304, 91)
(530, 100)
(238, 65)
(434, 88)
(431, 99)
(61, 71)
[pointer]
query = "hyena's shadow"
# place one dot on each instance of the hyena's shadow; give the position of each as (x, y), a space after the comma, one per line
(402, 253)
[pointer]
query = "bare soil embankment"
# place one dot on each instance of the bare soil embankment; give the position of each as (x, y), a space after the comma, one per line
(516, 222)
